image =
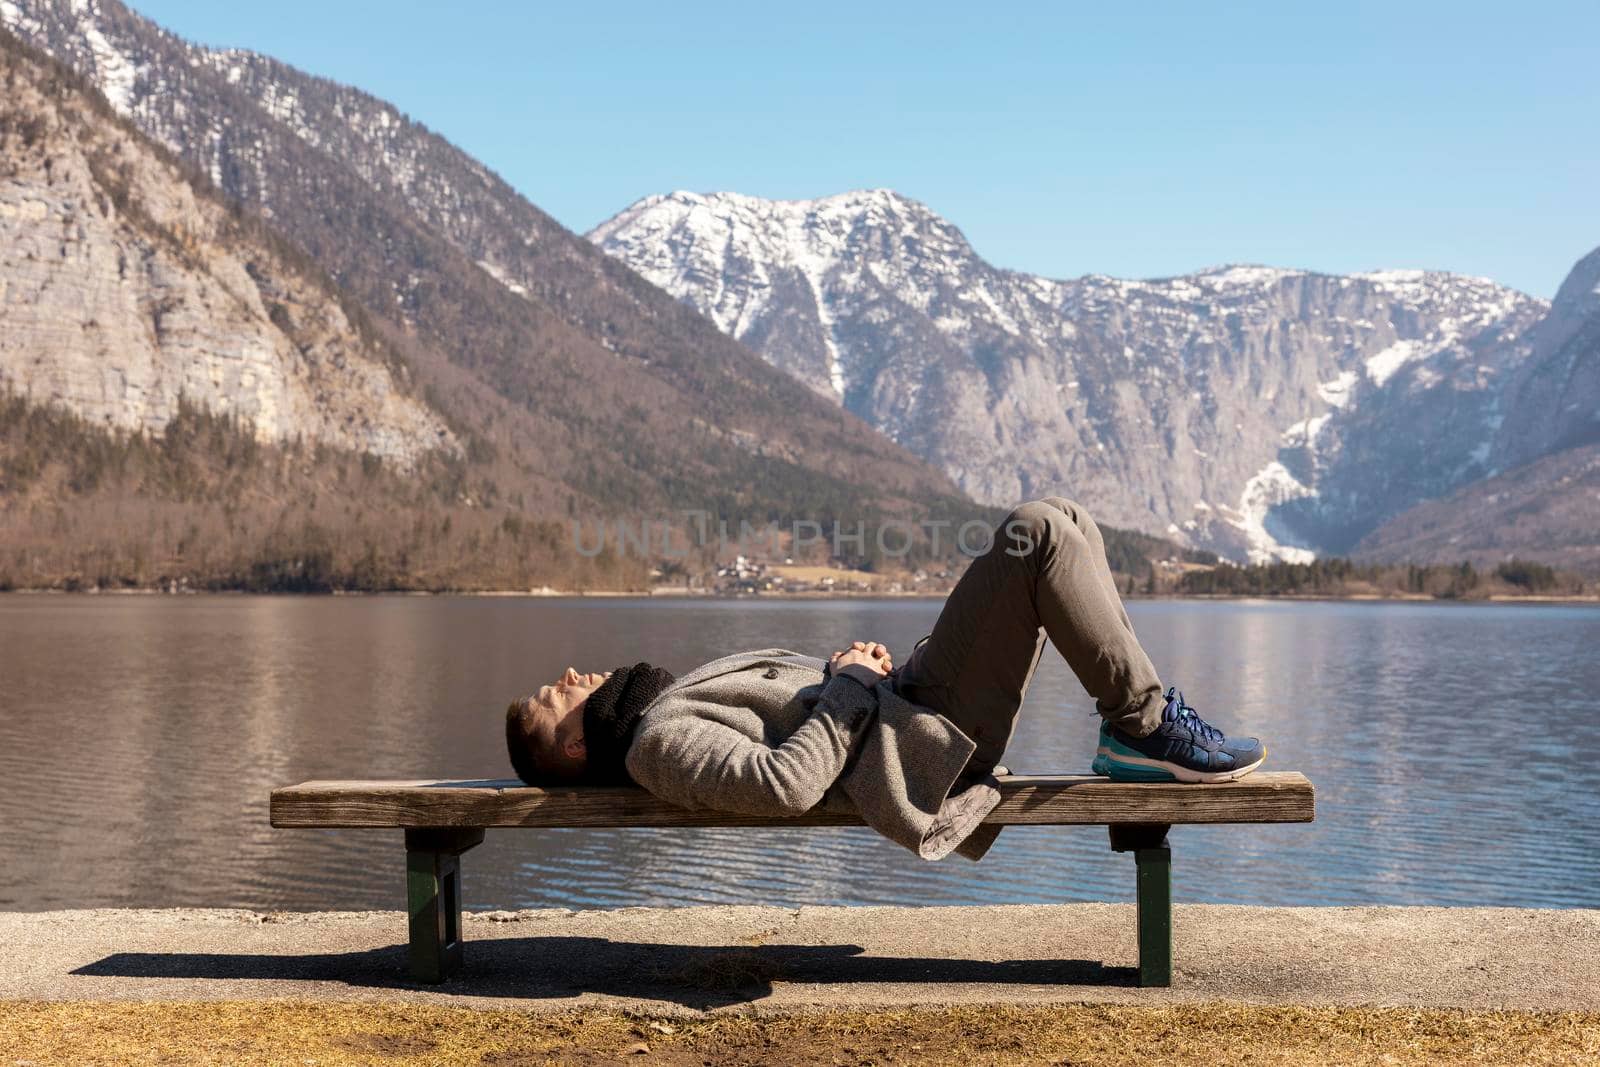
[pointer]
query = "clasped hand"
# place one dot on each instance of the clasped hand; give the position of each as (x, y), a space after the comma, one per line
(875, 657)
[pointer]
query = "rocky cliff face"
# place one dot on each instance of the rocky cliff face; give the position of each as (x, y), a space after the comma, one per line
(124, 288)
(621, 396)
(1553, 402)
(1260, 412)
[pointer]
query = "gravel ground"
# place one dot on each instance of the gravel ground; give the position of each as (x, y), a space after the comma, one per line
(681, 961)
(283, 1033)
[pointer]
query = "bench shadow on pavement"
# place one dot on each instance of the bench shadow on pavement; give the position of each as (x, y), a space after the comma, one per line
(551, 968)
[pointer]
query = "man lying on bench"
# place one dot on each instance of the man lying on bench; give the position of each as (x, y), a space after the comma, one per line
(912, 749)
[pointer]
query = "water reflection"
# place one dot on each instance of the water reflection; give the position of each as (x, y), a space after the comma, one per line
(1453, 749)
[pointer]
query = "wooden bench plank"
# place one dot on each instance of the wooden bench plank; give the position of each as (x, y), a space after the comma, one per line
(1036, 800)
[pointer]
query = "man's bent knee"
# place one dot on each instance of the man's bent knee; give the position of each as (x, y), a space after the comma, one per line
(1079, 516)
(1073, 510)
(1039, 522)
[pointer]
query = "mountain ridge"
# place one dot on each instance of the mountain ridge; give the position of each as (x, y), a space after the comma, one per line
(1247, 382)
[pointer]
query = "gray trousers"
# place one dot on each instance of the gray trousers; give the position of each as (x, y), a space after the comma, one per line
(1045, 575)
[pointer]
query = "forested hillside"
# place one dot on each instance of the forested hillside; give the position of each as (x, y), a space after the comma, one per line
(207, 505)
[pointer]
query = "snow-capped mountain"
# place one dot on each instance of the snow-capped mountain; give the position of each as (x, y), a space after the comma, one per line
(1257, 411)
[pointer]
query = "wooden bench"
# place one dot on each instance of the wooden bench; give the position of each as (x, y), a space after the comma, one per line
(443, 819)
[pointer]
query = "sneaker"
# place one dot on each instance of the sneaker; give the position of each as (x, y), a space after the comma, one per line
(1184, 748)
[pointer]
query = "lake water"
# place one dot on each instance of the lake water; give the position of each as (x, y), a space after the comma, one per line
(1455, 750)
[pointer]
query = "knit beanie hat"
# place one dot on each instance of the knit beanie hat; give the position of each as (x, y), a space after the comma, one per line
(610, 714)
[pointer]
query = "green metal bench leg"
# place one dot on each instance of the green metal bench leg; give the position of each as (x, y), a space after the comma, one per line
(1155, 915)
(433, 900)
(1153, 861)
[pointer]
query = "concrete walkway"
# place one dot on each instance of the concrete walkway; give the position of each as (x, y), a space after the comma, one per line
(691, 959)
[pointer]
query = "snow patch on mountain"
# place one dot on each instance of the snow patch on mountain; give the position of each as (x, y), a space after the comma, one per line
(1381, 367)
(117, 73)
(1269, 487)
(1239, 276)
(16, 19)
(114, 72)
(1338, 392)
(502, 277)
(1394, 278)
(1303, 434)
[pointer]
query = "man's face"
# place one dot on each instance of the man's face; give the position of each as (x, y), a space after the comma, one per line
(561, 704)
(567, 693)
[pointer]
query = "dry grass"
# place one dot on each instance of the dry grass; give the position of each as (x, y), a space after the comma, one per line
(38, 1034)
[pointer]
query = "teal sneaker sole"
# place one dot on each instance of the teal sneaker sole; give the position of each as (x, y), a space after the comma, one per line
(1123, 772)
(1120, 763)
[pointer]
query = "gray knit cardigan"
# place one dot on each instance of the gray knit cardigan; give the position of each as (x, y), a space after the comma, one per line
(769, 733)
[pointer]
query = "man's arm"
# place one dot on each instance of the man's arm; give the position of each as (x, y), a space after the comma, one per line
(696, 762)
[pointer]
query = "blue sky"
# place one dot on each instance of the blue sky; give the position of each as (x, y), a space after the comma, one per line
(1143, 141)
